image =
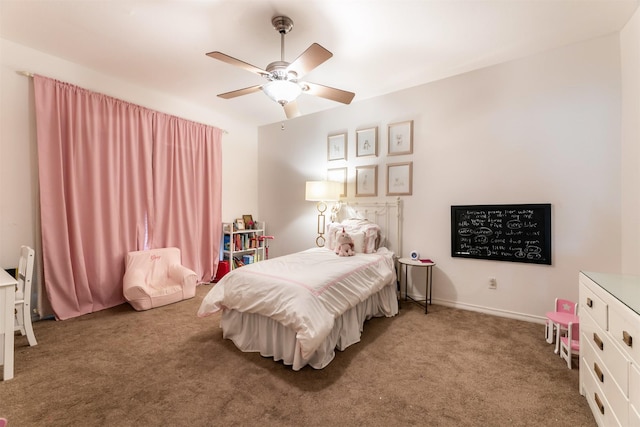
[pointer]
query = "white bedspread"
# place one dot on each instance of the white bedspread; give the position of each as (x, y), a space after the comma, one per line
(304, 291)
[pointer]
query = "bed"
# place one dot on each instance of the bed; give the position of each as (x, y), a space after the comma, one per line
(299, 308)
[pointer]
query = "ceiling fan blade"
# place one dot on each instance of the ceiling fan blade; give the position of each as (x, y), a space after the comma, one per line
(291, 109)
(240, 92)
(309, 59)
(329, 93)
(233, 61)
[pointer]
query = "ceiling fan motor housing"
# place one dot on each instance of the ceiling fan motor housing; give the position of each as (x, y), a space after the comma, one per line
(282, 24)
(278, 71)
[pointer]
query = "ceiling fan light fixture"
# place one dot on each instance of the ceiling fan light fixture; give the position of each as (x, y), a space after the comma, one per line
(284, 79)
(282, 91)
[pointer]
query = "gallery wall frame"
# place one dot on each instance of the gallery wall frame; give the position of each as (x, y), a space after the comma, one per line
(400, 138)
(338, 175)
(239, 224)
(367, 181)
(337, 146)
(400, 179)
(367, 142)
(248, 220)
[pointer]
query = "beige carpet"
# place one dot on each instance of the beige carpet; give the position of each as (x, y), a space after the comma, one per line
(168, 367)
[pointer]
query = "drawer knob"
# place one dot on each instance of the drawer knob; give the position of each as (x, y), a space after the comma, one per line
(589, 303)
(628, 339)
(599, 403)
(598, 341)
(598, 372)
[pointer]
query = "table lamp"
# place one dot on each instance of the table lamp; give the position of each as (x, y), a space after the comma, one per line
(322, 192)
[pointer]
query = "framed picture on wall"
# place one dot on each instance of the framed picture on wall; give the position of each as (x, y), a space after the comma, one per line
(400, 179)
(367, 142)
(367, 181)
(337, 147)
(401, 138)
(338, 175)
(248, 221)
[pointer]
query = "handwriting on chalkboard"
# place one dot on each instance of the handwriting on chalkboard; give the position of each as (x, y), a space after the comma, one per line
(520, 233)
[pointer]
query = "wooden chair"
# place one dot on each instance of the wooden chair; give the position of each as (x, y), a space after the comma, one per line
(555, 325)
(570, 344)
(23, 294)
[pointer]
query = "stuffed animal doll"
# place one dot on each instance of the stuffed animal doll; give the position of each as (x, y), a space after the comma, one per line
(344, 245)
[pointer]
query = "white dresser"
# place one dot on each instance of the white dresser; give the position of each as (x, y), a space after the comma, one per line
(609, 309)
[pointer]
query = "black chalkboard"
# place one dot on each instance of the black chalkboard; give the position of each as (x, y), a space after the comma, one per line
(518, 233)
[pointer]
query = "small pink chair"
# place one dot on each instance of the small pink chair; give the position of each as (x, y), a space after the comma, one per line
(156, 277)
(570, 344)
(3, 422)
(558, 321)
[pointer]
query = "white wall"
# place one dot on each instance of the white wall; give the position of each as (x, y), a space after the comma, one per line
(543, 129)
(18, 174)
(630, 53)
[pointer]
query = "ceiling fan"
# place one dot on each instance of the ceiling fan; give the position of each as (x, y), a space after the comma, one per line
(284, 85)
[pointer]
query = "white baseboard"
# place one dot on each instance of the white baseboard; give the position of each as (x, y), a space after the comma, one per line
(491, 311)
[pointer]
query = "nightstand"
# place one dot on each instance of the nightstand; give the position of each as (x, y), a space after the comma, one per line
(406, 262)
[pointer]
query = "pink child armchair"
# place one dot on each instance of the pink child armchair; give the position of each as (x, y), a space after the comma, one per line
(156, 277)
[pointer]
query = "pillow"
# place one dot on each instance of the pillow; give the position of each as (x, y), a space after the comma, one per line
(371, 230)
(343, 211)
(332, 229)
(358, 243)
(361, 230)
(372, 238)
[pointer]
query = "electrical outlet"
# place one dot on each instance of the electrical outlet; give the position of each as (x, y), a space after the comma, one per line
(492, 283)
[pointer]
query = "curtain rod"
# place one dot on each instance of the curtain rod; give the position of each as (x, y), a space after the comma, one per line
(28, 74)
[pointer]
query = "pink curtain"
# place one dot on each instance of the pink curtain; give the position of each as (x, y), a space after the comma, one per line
(97, 176)
(187, 164)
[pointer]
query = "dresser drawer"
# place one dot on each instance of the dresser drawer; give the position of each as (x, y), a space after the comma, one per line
(602, 376)
(634, 417)
(608, 353)
(634, 388)
(597, 402)
(625, 331)
(592, 304)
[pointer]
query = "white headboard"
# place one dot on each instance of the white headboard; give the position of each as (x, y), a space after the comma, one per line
(388, 215)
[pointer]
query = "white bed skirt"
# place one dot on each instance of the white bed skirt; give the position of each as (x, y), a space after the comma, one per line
(256, 333)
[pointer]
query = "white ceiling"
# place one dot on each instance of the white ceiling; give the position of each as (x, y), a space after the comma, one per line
(378, 46)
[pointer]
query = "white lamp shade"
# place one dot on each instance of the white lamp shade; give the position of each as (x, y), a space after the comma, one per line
(323, 191)
(282, 91)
